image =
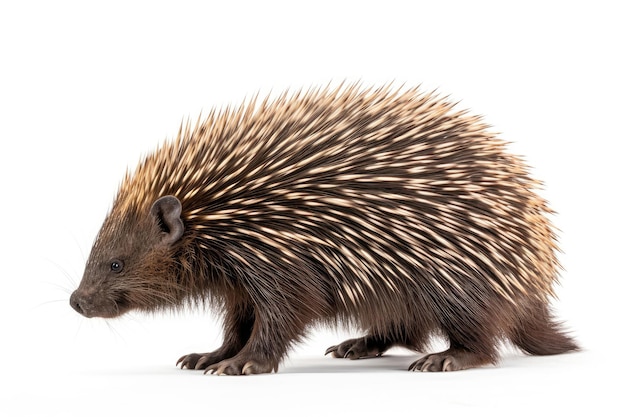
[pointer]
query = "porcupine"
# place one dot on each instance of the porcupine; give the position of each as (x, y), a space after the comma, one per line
(382, 208)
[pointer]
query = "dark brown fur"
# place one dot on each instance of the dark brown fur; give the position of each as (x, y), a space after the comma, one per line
(382, 209)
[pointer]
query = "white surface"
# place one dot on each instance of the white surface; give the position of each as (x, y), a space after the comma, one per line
(85, 90)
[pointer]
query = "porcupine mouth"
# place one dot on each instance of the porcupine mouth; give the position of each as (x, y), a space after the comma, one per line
(122, 305)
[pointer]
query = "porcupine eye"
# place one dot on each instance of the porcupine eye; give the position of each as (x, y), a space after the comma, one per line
(117, 266)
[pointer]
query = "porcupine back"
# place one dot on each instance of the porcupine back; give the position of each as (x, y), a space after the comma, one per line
(388, 209)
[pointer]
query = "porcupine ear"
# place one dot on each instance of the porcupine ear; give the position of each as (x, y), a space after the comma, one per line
(167, 210)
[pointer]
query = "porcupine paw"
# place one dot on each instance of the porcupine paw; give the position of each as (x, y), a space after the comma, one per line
(199, 360)
(240, 366)
(360, 348)
(449, 360)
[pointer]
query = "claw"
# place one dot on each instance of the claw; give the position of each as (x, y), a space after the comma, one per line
(362, 348)
(184, 362)
(200, 362)
(330, 350)
(246, 367)
(447, 361)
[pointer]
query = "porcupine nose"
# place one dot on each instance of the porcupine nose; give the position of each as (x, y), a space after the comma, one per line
(77, 301)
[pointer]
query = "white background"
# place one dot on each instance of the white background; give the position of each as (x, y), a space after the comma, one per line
(86, 88)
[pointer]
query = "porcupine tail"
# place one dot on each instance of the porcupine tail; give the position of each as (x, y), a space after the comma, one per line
(538, 333)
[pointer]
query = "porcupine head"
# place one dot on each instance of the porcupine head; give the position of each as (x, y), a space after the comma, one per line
(132, 264)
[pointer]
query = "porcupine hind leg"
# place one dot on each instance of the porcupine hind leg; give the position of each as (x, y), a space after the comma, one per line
(238, 323)
(539, 334)
(361, 348)
(472, 335)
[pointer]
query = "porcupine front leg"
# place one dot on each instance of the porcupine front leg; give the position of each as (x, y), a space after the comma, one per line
(268, 342)
(238, 324)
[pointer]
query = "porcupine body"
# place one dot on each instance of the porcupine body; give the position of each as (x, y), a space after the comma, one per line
(389, 210)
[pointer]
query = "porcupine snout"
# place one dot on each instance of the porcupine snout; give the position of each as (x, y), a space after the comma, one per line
(89, 304)
(81, 302)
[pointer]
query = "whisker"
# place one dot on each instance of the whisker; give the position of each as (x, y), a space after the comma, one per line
(66, 290)
(114, 330)
(69, 277)
(44, 303)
